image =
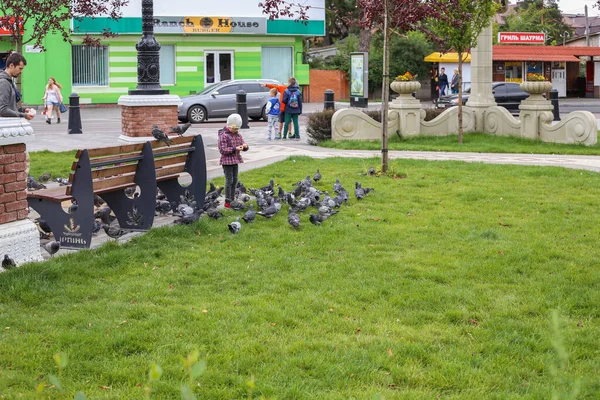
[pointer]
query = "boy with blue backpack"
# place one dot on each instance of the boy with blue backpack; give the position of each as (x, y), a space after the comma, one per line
(272, 111)
(292, 98)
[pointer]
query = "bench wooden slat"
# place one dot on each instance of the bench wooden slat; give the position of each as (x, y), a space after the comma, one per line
(58, 193)
(172, 170)
(161, 162)
(113, 171)
(122, 180)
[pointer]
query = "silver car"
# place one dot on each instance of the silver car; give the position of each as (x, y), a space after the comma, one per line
(219, 100)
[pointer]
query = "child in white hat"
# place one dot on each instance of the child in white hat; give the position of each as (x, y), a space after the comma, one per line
(231, 144)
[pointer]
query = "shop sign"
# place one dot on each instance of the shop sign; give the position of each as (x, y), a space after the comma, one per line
(200, 25)
(8, 26)
(522, 37)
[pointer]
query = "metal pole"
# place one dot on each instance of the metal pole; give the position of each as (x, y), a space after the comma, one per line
(74, 114)
(242, 108)
(148, 56)
(385, 90)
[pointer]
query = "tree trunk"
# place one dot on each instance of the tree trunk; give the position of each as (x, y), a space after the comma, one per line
(460, 95)
(364, 40)
(385, 91)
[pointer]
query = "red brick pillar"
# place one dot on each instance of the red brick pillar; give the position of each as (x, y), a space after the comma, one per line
(13, 183)
(19, 237)
(140, 113)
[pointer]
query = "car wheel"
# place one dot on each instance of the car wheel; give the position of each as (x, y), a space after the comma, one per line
(197, 114)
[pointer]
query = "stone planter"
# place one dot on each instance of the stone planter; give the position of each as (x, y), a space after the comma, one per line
(405, 89)
(536, 88)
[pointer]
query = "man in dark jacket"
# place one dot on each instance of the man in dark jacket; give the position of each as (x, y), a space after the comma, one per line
(443, 82)
(292, 98)
(9, 95)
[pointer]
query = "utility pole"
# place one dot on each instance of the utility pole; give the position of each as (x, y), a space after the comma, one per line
(587, 27)
(385, 92)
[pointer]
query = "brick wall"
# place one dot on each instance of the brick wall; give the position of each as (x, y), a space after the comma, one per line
(13, 183)
(138, 121)
(321, 80)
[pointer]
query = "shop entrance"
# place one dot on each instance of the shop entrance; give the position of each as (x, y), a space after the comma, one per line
(559, 78)
(218, 66)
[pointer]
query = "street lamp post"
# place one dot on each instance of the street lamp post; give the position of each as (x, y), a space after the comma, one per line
(148, 68)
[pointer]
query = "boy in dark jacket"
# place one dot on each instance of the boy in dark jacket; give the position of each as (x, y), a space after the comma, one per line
(443, 82)
(292, 98)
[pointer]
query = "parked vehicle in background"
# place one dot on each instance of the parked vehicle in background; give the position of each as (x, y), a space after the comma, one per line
(219, 100)
(507, 94)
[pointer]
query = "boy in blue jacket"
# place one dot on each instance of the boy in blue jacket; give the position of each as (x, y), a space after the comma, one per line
(273, 113)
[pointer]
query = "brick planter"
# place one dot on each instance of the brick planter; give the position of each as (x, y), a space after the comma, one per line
(139, 113)
(19, 237)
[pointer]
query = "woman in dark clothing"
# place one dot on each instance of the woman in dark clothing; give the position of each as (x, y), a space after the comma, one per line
(434, 84)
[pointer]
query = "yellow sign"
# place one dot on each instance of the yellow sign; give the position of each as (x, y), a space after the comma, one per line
(516, 80)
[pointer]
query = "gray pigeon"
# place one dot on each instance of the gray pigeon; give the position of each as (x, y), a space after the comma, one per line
(237, 205)
(52, 247)
(160, 135)
(268, 212)
(337, 186)
(45, 177)
(371, 171)
(359, 192)
(73, 207)
(189, 218)
(163, 206)
(8, 263)
(96, 228)
(293, 218)
(114, 232)
(62, 181)
(214, 213)
(317, 176)
(250, 215)
(104, 214)
(235, 226)
(43, 226)
(32, 184)
(317, 219)
(244, 197)
(98, 201)
(180, 129)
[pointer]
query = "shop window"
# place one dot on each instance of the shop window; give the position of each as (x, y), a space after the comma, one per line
(89, 65)
(277, 63)
(534, 67)
(167, 64)
(514, 71)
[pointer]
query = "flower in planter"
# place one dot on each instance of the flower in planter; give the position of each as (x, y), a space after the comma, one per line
(406, 77)
(531, 77)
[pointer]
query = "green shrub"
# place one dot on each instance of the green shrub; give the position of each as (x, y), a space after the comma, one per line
(319, 124)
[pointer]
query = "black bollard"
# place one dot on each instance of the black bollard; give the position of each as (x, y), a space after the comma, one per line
(74, 114)
(554, 101)
(242, 108)
(329, 103)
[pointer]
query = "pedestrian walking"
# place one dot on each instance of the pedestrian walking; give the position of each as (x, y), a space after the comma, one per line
(454, 82)
(9, 95)
(292, 98)
(272, 110)
(443, 81)
(52, 99)
(231, 144)
(434, 84)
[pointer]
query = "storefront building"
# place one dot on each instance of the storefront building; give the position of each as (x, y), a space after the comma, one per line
(573, 71)
(201, 43)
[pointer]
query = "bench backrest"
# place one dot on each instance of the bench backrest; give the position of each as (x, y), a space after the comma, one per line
(115, 167)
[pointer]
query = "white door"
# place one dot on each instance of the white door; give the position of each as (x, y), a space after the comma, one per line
(218, 66)
(559, 81)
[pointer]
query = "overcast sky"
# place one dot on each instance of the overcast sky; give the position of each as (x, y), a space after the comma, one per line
(577, 6)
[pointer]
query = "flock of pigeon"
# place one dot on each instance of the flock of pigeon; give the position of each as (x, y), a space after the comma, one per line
(269, 200)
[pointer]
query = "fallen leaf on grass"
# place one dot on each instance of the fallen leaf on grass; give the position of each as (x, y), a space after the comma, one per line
(205, 311)
(357, 331)
(331, 310)
(579, 324)
(390, 352)
(473, 321)
(170, 287)
(392, 386)
(503, 224)
(106, 387)
(272, 324)
(501, 253)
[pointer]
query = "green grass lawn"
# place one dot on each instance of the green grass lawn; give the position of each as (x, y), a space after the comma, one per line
(472, 142)
(57, 163)
(461, 281)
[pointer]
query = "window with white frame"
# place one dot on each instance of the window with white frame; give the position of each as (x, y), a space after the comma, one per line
(90, 65)
(167, 64)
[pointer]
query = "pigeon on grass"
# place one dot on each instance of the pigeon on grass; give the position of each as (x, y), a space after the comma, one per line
(180, 129)
(317, 176)
(214, 213)
(160, 135)
(235, 226)
(51, 247)
(114, 232)
(293, 218)
(250, 215)
(8, 263)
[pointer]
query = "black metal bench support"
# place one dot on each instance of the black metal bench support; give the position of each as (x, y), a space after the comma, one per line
(138, 213)
(196, 167)
(72, 231)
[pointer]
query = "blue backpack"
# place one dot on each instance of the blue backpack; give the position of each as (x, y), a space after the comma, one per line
(293, 101)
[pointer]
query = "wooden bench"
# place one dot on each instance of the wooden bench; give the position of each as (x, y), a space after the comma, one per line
(108, 172)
